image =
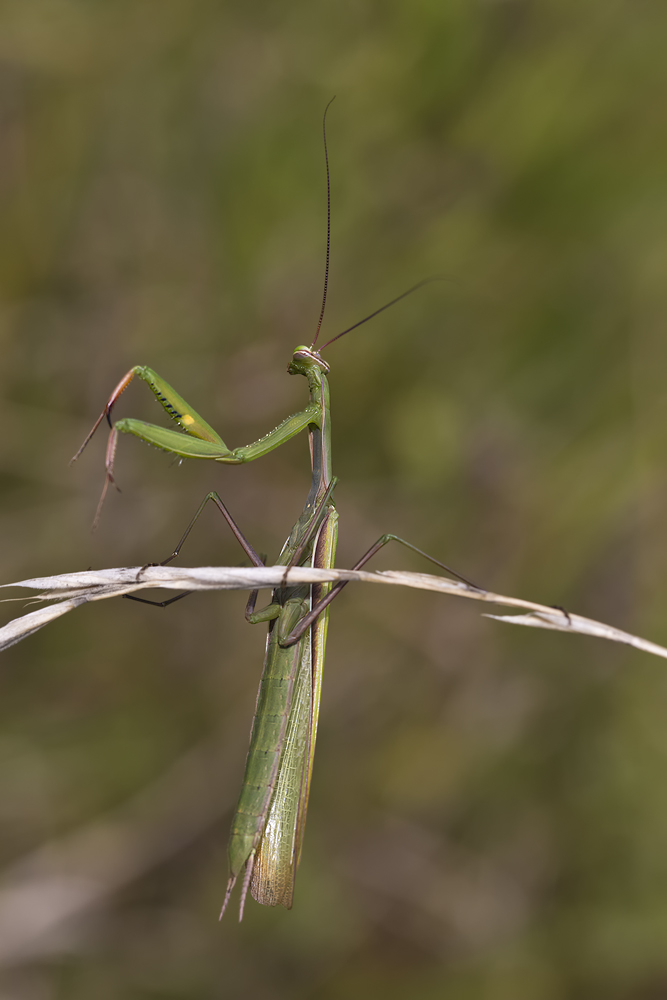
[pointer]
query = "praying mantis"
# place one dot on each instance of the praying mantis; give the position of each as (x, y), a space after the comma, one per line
(268, 825)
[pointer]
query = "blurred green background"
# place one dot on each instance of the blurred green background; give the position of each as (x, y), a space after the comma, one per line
(488, 818)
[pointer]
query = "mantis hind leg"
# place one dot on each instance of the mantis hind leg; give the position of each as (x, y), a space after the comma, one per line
(158, 604)
(312, 615)
(238, 534)
(214, 497)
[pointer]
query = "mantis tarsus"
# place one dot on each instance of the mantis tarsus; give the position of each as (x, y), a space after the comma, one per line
(268, 825)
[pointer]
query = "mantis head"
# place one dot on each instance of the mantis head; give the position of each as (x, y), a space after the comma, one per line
(305, 359)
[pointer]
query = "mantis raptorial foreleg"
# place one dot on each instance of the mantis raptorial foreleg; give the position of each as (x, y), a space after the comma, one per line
(196, 438)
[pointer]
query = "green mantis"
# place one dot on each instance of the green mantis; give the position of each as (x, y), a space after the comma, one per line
(268, 826)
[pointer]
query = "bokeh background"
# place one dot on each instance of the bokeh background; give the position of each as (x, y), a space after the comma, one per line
(489, 808)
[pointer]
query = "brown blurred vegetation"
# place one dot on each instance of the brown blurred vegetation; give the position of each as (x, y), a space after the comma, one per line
(489, 811)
